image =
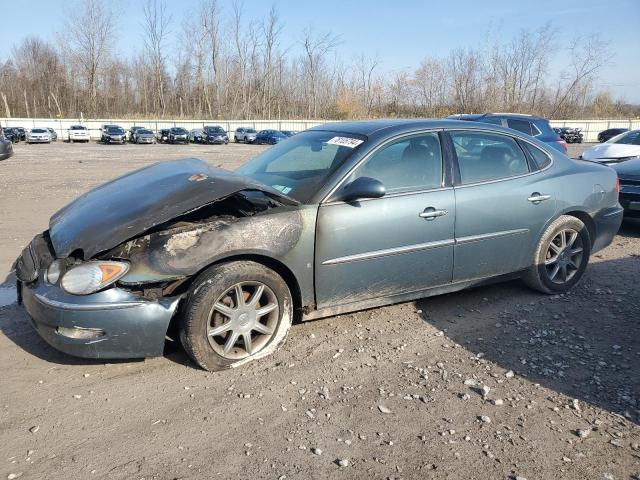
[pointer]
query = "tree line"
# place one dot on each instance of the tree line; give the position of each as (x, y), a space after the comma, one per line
(227, 65)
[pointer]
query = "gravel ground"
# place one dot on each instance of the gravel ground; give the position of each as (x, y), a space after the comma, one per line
(494, 382)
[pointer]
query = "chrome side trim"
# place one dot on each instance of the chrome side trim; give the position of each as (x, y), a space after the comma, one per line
(85, 307)
(488, 236)
(389, 251)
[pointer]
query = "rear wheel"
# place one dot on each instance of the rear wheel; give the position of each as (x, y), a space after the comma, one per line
(561, 257)
(237, 312)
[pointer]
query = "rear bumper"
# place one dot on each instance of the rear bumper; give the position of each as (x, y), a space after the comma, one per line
(123, 325)
(607, 223)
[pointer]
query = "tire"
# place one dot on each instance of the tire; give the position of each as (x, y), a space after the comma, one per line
(218, 286)
(554, 277)
(235, 140)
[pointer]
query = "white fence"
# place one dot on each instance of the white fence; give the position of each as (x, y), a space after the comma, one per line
(590, 128)
(61, 125)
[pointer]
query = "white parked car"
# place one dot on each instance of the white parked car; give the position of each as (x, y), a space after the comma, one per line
(625, 146)
(38, 135)
(78, 133)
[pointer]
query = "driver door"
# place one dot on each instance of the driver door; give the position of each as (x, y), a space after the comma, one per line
(400, 243)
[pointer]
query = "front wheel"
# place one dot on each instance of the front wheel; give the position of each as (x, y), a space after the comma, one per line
(236, 312)
(561, 257)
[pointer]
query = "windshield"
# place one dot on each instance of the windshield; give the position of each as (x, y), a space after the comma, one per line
(144, 132)
(78, 127)
(628, 138)
(115, 130)
(299, 167)
(214, 130)
(178, 130)
(38, 130)
(250, 130)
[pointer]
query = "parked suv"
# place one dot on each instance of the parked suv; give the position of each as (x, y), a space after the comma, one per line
(78, 133)
(178, 135)
(246, 135)
(537, 127)
(113, 134)
(214, 134)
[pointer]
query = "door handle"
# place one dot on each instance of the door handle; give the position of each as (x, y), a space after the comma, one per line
(431, 213)
(536, 198)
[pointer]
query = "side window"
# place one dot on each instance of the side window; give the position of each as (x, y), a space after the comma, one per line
(523, 126)
(409, 164)
(486, 156)
(541, 158)
(492, 120)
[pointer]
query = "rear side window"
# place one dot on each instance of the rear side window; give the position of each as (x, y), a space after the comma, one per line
(542, 159)
(486, 156)
(523, 126)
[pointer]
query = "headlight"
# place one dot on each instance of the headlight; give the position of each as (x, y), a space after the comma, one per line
(53, 272)
(92, 276)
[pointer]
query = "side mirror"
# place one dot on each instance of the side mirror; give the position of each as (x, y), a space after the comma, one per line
(362, 187)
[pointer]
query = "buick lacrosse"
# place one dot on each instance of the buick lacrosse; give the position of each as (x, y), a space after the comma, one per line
(342, 217)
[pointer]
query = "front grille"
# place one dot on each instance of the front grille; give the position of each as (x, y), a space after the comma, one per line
(630, 181)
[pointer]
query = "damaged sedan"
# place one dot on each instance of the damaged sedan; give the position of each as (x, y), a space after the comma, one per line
(339, 218)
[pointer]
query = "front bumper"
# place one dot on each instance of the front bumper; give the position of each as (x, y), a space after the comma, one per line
(217, 140)
(39, 140)
(607, 223)
(125, 325)
(145, 140)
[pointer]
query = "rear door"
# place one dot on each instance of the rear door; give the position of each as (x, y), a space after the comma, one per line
(400, 243)
(503, 202)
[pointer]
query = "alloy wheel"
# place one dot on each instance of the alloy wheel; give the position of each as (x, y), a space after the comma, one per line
(243, 320)
(564, 256)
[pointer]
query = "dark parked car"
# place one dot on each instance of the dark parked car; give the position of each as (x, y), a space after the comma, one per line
(113, 134)
(341, 217)
(6, 146)
(214, 135)
(629, 176)
(132, 134)
(178, 135)
(163, 135)
(537, 127)
(269, 137)
(23, 133)
(12, 134)
(610, 133)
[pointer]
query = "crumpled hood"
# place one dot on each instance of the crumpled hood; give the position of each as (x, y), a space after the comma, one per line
(136, 202)
(610, 150)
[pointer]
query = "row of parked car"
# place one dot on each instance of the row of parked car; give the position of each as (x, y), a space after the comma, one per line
(116, 134)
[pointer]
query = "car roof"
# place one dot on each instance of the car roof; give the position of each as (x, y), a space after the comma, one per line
(369, 127)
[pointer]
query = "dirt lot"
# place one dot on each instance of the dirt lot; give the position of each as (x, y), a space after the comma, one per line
(563, 374)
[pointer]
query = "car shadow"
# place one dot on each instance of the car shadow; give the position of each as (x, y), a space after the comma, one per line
(582, 344)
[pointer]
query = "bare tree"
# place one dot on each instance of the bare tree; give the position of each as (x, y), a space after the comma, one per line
(156, 28)
(90, 31)
(316, 48)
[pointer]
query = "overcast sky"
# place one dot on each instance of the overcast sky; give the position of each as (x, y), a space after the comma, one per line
(400, 32)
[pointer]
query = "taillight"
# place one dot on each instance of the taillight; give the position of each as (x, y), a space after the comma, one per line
(617, 184)
(563, 144)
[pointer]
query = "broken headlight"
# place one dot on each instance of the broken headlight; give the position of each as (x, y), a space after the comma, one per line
(90, 277)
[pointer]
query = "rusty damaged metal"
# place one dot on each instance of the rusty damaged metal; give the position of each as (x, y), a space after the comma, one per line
(183, 250)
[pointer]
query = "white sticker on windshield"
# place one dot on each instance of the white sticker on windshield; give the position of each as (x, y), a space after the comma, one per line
(345, 142)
